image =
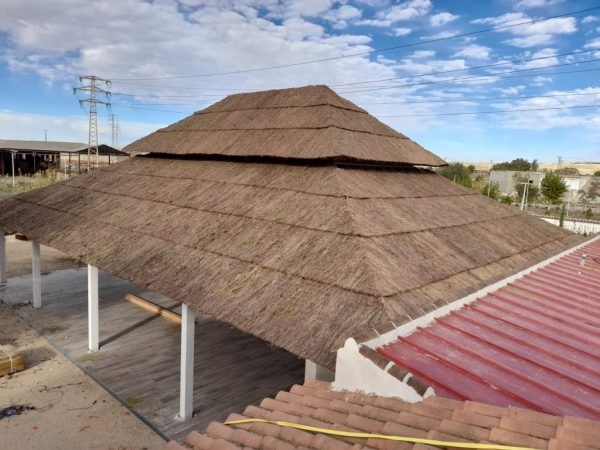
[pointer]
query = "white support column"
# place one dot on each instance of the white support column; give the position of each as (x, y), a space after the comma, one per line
(186, 390)
(36, 275)
(2, 257)
(93, 329)
(313, 371)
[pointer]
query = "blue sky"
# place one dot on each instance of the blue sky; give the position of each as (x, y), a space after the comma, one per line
(141, 45)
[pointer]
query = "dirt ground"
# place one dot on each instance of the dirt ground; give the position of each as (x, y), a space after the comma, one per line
(71, 410)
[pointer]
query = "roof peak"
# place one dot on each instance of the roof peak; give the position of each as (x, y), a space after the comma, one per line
(279, 124)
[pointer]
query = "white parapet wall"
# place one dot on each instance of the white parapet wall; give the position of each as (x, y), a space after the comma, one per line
(357, 373)
(578, 226)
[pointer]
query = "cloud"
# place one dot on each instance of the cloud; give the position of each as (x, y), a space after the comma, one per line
(474, 51)
(339, 17)
(595, 43)
(443, 18)
(528, 4)
(139, 39)
(406, 10)
(533, 34)
(423, 54)
(401, 31)
(589, 19)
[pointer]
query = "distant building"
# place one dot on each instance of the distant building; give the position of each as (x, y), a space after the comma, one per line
(34, 156)
(505, 179)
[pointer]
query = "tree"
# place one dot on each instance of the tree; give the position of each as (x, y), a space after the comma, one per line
(561, 219)
(458, 173)
(553, 187)
(532, 191)
(567, 171)
(597, 173)
(519, 164)
(491, 190)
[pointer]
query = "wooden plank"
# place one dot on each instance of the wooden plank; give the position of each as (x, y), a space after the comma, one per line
(10, 362)
(154, 308)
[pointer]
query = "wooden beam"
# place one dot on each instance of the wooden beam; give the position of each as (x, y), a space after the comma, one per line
(154, 308)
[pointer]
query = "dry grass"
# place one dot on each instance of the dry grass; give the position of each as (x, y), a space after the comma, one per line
(26, 183)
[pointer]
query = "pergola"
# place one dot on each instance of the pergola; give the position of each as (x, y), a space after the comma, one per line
(292, 215)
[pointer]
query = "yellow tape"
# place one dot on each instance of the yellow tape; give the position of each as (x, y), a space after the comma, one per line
(352, 434)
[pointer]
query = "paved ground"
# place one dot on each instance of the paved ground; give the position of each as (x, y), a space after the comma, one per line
(139, 356)
(71, 410)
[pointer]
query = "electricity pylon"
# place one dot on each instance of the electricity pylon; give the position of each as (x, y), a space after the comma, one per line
(115, 130)
(92, 100)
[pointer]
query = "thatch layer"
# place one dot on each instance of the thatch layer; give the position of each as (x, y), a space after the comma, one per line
(310, 123)
(301, 256)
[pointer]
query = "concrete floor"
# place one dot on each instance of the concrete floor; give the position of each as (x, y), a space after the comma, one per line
(138, 361)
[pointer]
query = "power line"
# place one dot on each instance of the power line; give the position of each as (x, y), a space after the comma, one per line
(478, 99)
(395, 47)
(476, 77)
(549, 108)
(120, 105)
(485, 66)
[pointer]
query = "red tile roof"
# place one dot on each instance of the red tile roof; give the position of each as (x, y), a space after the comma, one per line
(534, 343)
(437, 418)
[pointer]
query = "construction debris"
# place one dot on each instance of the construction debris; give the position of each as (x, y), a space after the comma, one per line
(154, 308)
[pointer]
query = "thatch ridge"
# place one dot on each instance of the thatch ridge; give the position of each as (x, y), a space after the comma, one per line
(301, 256)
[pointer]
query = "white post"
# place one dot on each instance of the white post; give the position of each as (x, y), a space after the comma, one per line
(186, 390)
(2, 257)
(93, 329)
(36, 275)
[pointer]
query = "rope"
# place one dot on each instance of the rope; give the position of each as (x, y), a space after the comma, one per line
(352, 434)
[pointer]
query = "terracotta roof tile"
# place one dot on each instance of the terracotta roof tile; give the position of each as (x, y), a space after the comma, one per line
(435, 418)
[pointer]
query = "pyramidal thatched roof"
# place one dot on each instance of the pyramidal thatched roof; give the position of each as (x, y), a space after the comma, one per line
(301, 254)
(309, 123)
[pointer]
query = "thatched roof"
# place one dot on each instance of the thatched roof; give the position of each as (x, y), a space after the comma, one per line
(309, 123)
(301, 255)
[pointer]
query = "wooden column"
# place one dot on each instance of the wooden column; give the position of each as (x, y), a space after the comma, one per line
(36, 274)
(186, 390)
(93, 329)
(2, 257)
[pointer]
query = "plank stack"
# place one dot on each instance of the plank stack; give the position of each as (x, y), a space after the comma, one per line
(11, 361)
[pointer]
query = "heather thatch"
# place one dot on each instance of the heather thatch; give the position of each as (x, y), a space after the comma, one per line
(301, 255)
(310, 123)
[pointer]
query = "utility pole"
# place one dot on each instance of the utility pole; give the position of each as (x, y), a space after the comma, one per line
(559, 162)
(92, 89)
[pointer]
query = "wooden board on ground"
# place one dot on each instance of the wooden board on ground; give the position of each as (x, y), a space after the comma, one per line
(11, 361)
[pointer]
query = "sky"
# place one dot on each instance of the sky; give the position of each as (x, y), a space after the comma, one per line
(169, 58)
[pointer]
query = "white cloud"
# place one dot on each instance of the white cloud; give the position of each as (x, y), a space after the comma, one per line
(423, 54)
(474, 51)
(533, 34)
(139, 39)
(401, 31)
(339, 17)
(595, 43)
(589, 19)
(443, 18)
(406, 10)
(549, 59)
(527, 4)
